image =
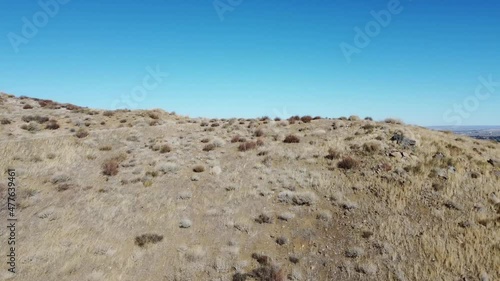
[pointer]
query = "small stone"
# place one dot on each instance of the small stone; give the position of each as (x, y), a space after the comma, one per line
(367, 268)
(185, 223)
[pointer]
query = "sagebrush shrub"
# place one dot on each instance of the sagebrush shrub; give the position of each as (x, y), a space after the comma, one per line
(81, 133)
(259, 133)
(144, 239)
(333, 154)
(110, 167)
(372, 147)
(165, 148)
(52, 125)
(306, 119)
(209, 147)
(291, 139)
(247, 146)
(348, 163)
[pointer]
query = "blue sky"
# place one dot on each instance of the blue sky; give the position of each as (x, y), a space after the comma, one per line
(250, 58)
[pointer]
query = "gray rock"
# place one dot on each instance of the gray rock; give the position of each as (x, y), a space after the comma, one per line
(185, 223)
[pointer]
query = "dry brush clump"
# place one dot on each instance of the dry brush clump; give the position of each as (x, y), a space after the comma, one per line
(209, 147)
(36, 118)
(52, 125)
(267, 271)
(110, 167)
(291, 139)
(372, 147)
(259, 133)
(145, 239)
(238, 138)
(304, 198)
(348, 163)
(249, 145)
(81, 133)
(333, 154)
(306, 119)
(165, 148)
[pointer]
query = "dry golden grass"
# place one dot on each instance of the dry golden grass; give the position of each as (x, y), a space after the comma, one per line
(403, 217)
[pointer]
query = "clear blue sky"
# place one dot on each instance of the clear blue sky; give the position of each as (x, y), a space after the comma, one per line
(259, 57)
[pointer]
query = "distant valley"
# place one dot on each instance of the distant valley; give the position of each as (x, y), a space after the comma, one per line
(478, 132)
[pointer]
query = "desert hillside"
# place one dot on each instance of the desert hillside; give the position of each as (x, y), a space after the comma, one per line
(151, 195)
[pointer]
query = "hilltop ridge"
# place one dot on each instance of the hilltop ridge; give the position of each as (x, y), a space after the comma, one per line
(152, 195)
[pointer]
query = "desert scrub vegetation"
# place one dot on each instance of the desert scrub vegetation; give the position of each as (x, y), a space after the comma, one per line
(105, 148)
(145, 239)
(333, 154)
(393, 121)
(306, 198)
(31, 127)
(354, 118)
(291, 139)
(110, 167)
(259, 133)
(81, 133)
(165, 148)
(153, 115)
(267, 271)
(306, 119)
(209, 147)
(52, 125)
(37, 118)
(238, 138)
(372, 147)
(5, 121)
(108, 113)
(348, 163)
(27, 106)
(249, 145)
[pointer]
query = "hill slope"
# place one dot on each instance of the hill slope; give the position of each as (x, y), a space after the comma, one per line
(150, 195)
